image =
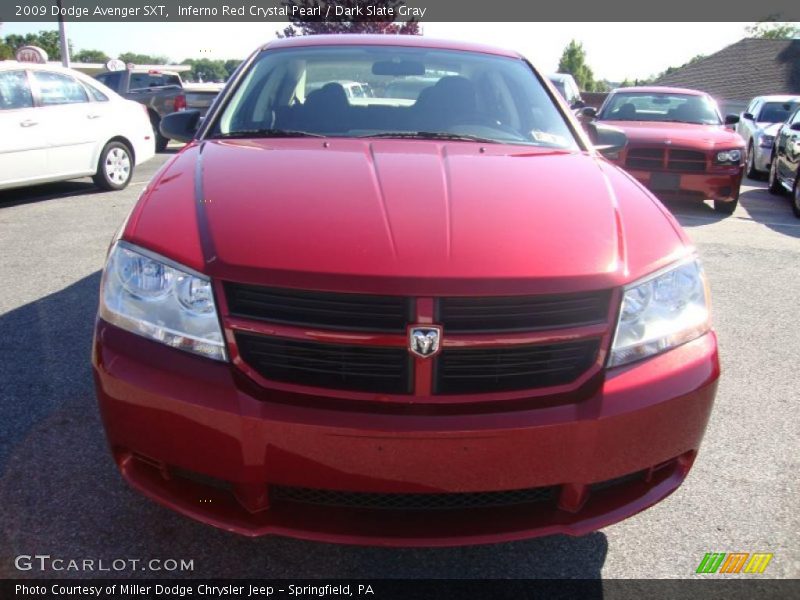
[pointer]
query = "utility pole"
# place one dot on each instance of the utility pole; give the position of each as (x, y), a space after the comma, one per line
(62, 33)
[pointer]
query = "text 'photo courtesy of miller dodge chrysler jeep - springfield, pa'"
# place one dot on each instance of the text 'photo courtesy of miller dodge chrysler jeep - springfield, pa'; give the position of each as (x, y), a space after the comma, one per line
(433, 316)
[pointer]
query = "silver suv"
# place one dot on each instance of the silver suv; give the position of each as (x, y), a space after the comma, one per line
(758, 126)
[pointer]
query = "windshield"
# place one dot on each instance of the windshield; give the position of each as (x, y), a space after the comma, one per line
(648, 106)
(776, 112)
(380, 91)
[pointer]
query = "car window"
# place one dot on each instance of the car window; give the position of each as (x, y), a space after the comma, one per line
(112, 80)
(15, 92)
(776, 112)
(412, 90)
(148, 80)
(796, 117)
(753, 107)
(96, 94)
(660, 106)
(58, 88)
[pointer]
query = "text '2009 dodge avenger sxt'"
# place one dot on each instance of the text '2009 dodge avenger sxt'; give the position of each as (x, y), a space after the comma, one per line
(429, 313)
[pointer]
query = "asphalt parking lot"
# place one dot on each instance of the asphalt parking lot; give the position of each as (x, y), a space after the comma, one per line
(61, 495)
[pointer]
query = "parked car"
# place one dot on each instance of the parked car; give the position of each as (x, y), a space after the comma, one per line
(677, 143)
(161, 92)
(60, 124)
(444, 323)
(758, 126)
(568, 88)
(784, 168)
(201, 96)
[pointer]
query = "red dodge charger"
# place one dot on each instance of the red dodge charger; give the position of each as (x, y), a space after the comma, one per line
(431, 316)
(678, 144)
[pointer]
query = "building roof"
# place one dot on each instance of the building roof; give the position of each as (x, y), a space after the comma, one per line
(750, 67)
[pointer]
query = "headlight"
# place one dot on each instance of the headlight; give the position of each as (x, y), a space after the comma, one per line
(156, 298)
(766, 141)
(662, 311)
(729, 156)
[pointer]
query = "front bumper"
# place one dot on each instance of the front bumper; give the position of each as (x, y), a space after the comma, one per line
(186, 432)
(722, 185)
(761, 158)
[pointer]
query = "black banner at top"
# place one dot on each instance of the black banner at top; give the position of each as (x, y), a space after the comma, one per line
(419, 10)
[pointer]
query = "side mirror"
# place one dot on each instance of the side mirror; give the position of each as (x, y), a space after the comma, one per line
(748, 116)
(180, 126)
(577, 104)
(731, 119)
(607, 140)
(589, 112)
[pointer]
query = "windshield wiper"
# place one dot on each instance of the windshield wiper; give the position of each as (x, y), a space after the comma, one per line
(432, 135)
(265, 133)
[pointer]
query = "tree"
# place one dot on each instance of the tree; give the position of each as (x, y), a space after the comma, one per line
(230, 66)
(48, 41)
(772, 30)
(90, 56)
(573, 61)
(205, 69)
(142, 59)
(384, 23)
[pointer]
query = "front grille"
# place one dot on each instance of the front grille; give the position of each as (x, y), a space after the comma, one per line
(357, 368)
(522, 313)
(468, 371)
(671, 159)
(395, 501)
(609, 483)
(645, 158)
(686, 160)
(319, 309)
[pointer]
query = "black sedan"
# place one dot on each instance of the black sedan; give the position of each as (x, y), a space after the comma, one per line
(784, 170)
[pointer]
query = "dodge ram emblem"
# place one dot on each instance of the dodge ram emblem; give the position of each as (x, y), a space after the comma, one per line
(424, 341)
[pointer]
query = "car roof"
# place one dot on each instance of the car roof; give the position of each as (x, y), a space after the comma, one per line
(559, 76)
(411, 41)
(659, 89)
(778, 98)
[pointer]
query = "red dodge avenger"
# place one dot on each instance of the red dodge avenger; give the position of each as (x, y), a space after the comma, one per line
(430, 313)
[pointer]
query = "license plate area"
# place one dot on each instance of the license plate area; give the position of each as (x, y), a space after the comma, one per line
(665, 181)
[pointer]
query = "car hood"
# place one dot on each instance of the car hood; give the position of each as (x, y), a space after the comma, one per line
(770, 128)
(404, 216)
(708, 137)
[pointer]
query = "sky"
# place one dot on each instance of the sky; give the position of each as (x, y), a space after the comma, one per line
(615, 51)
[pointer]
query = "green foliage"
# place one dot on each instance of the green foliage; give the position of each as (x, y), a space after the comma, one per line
(90, 56)
(6, 52)
(365, 24)
(772, 30)
(231, 65)
(205, 69)
(573, 61)
(46, 40)
(142, 59)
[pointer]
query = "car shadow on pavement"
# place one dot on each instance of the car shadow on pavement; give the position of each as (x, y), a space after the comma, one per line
(688, 211)
(60, 493)
(771, 211)
(47, 191)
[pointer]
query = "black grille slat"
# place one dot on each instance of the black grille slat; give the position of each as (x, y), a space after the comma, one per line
(670, 159)
(319, 309)
(398, 501)
(522, 313)
(686, 160)
(464, 371)
(357, 368)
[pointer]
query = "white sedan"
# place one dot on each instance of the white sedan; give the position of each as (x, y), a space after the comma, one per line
(57, 123)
